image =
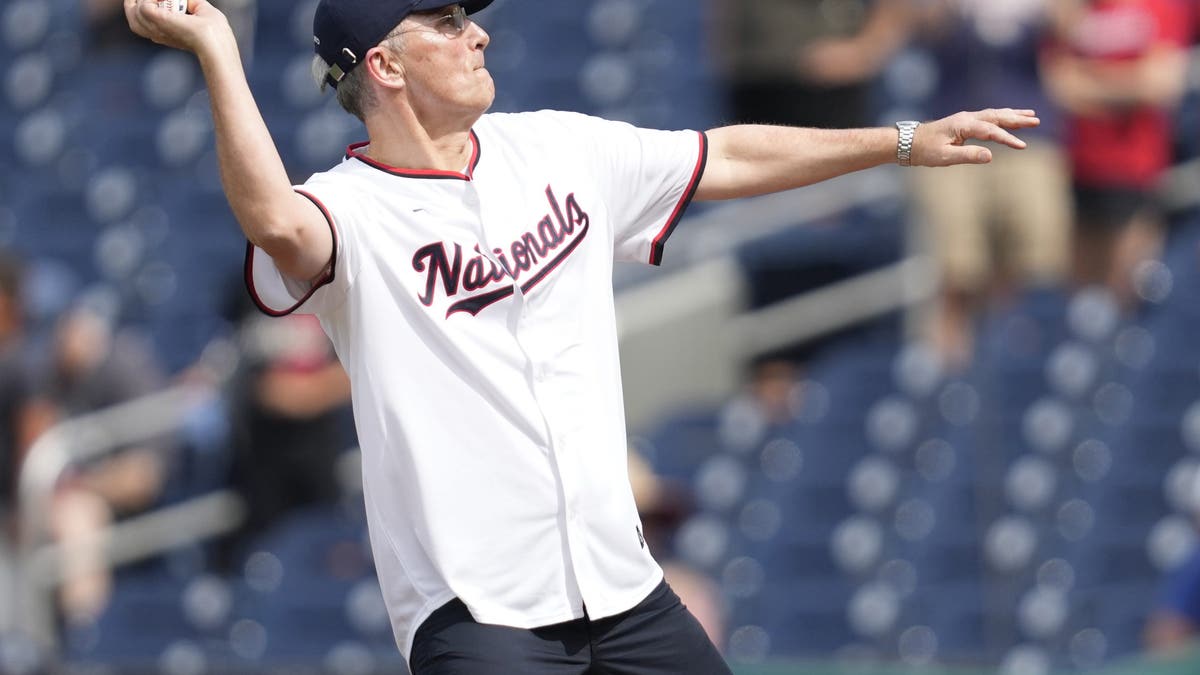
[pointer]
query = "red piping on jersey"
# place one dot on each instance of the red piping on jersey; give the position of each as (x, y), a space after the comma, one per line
(353, 152)
(656, 248)
(325, 280)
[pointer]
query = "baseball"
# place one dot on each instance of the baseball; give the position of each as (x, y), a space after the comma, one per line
(174, 5)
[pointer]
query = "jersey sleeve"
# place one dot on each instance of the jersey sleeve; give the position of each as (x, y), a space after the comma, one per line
(648, 178)
(276, 294)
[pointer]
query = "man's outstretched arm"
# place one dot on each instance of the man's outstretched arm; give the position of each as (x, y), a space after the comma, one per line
(748, 160)
(289, 227)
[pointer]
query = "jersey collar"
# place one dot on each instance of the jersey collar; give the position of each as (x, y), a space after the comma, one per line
(353, 152)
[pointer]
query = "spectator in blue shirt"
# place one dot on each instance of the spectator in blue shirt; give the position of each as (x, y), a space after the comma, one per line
(1175, 622)
(990, 242)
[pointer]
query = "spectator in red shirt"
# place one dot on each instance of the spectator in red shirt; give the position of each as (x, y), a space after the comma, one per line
(1118, 68)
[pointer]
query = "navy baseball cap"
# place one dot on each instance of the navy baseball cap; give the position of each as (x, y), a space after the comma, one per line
(344, 30)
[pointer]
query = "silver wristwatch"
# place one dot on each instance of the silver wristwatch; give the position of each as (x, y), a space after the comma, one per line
(904, 144)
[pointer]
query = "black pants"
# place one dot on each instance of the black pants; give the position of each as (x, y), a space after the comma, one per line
(657, 637)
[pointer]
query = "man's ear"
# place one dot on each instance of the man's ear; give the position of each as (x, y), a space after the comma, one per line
(385, 68)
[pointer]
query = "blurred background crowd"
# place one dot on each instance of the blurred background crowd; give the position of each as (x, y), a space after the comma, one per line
(939, 420)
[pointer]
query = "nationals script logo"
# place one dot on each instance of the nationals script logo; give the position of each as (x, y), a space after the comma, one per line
(542, 249)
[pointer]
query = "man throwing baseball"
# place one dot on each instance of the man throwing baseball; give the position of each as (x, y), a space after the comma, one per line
(461, 263)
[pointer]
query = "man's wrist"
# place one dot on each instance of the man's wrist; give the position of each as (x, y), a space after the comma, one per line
(906, 131)
(216, 46)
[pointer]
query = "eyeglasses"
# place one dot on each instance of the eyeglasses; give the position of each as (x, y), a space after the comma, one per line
(451, 25)
(454, 23)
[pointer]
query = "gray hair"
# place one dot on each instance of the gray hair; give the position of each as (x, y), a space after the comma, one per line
(354, 92)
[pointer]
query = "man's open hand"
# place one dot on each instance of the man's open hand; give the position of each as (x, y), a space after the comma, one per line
(943, 142)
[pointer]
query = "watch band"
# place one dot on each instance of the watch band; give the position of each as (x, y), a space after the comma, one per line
(904, 144)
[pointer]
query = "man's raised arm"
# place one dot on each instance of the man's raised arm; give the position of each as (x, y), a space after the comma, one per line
(290, 228)
(748, 160)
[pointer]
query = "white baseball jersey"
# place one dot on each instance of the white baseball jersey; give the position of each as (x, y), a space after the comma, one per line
(474, 315)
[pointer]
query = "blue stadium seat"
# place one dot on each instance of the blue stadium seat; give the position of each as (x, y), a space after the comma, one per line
(957, 615)
(1144, 450)
(148, 612)
(300, 587)
(678, 446)
(813, 621)
(1113, 555)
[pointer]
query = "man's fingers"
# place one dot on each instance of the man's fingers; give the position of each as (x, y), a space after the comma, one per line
(159, 24)
(998, 135)
(987, 131)
(141, 15)
(1019, 120)
(990, 125)
(1009, 118)
(968, 154)
(134, 18)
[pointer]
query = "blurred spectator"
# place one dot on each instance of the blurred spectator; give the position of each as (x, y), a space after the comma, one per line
(774, 390)
(16, 424)
(92, 368)
(805, 62)
(1118, 68)
(662, 507)
(990, 242)
(289, 428)
(1174, 624)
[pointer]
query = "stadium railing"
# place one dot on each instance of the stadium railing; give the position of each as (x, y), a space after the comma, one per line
(700, 299)
(77, 440)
